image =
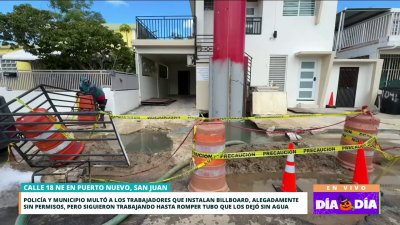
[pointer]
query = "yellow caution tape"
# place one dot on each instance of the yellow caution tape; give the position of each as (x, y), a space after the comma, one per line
(198, 166)
(350, 138)
(141, 117)
(357, 133)
(24, 104)
(105, 180)
(277, 152)
(68, 135)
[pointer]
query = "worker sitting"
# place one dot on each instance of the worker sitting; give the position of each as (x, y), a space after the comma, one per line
(88, 88)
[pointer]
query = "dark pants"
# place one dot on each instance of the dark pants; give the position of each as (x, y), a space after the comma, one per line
(102, 106)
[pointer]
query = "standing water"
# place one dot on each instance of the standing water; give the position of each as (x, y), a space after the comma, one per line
(146, 141)
(245, 131)
(9, 187)
(10, 184)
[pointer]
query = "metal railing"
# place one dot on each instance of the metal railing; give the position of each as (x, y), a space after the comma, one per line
(68, 79)
(390, 69)
(165, 27)
(204, 48)
(28, 137)
(253, 25)
(369, 31)
(248, 69)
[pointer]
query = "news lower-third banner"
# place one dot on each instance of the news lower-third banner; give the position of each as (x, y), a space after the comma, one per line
(151, 198)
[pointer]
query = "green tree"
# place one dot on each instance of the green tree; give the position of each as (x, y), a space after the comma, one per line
(69, 37)
(125, 28)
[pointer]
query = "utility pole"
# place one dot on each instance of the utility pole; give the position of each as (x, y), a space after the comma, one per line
(227, 67)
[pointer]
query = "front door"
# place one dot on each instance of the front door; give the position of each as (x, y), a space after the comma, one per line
(308, 80)
(347, 87)
(183, 82)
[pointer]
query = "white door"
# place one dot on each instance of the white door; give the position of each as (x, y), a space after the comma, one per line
(308, 80)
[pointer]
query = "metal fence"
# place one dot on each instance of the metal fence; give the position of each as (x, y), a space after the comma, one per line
(253, 25)
(68, 79)
(31, 122)
(390, 70)
(165, 27)
(204, 47)
(370, 30)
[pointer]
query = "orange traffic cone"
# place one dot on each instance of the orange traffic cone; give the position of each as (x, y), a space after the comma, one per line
(289, 176)
(331, 104)
(360, 171)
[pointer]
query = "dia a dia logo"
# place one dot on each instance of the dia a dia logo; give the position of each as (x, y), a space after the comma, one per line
(345, 204)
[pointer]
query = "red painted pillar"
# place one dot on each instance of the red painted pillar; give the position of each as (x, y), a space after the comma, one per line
(227, 70)
(229, 30)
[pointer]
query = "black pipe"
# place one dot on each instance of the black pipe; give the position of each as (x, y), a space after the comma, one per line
(59, 131)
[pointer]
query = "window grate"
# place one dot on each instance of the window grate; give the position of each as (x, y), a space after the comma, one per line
(8, 65)
(253, 25)
(277, 71)
(390, 69)
(298, 7)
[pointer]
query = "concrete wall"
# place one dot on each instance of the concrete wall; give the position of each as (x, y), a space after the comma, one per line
(147, 84)
(23, 66)
(118, 101)
(370, 50)
(365, 77)
(269, 103)
(163, 87)
(295, 34)
(157, 46)
(202, 88)
(148, 87)
(209, 20)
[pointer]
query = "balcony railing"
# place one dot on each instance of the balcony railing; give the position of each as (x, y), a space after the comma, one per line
(253, 25)
(165, 27)
(369, 31)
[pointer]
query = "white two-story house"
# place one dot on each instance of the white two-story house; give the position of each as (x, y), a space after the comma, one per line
(372, 33)
(288, 43)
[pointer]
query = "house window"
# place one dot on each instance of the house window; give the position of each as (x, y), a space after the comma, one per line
(148, 67)
(8, 65)
(277, 71)
(298, 7)
(253, 25)
(307, 80)
(250, 12)
(162, 71)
